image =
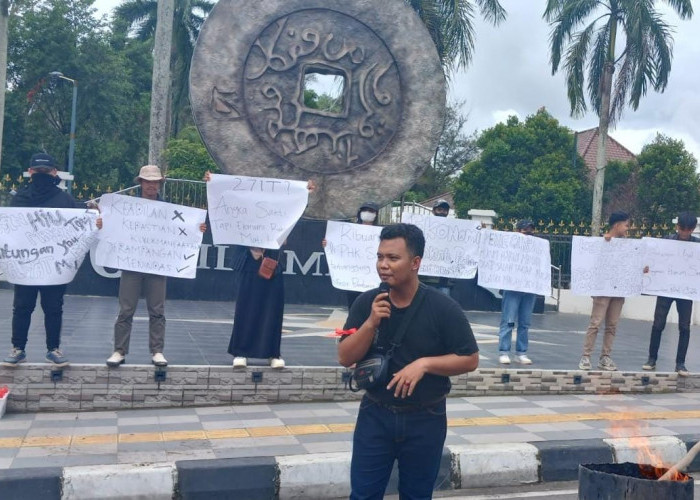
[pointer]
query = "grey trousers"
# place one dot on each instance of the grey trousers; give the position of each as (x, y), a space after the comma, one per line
(131, 286)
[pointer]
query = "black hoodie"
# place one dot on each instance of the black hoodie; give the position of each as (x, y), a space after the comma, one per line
(43, 192)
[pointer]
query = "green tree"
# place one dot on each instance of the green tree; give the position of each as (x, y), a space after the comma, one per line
(645, 60)
(63, 35)
(668, 180)
(525, 169)
(139, 18)
(187, 156)
(450, 24)
(455, 149)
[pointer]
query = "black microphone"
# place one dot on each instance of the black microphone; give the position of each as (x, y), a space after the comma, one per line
(384, 287)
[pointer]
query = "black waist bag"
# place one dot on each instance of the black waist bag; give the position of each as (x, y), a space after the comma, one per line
(373, 370)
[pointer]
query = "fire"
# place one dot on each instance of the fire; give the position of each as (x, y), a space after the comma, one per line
(651, 464)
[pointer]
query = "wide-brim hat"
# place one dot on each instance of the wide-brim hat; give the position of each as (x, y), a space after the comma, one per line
(149, 173)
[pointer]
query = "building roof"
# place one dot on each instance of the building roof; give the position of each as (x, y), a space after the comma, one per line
(587, 147)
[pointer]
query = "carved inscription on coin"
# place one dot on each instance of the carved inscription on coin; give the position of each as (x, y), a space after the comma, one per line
(322, 42)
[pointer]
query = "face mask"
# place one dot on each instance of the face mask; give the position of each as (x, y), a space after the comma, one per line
(367, 216)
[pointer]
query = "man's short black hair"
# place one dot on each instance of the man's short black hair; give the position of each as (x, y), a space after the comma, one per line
(616, 217)
(686, 220)
(415, 241)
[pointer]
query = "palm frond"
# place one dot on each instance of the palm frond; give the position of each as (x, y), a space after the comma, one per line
(684, 8)
(574, 68)
(570, 16)
(596, 66)
(492, 11)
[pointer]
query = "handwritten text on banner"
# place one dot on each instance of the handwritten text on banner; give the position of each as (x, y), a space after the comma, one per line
(451, 245)
(351, 253)
(606, 268)
(513, 261)
(674, 268)
(44, 246)
(254, 211)
(149, 236)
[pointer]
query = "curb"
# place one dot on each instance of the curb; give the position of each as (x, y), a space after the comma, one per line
(327, 475)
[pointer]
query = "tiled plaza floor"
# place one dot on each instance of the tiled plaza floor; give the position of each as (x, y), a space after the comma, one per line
(197, 333)
(166, 435)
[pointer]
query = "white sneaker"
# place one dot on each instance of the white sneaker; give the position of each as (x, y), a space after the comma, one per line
(239, 362)
(116, 359)
(504, 359)
(523, 359)
(159, 360)
(276, 363)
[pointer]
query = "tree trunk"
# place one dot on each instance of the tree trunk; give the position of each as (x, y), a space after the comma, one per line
(160, 86)
(600, 163)
(603, 124)
(4, 16)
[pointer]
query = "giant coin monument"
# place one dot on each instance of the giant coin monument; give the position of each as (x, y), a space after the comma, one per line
(247, 83)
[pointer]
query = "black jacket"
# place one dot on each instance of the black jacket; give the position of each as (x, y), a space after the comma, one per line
(43, 192)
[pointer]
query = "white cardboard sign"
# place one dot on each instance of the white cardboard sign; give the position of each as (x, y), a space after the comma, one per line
(44, 246)
(602, 268)
(351, 253)
(514, 261)
(451, 245)
(254, 211)
(674, 268)
(149, 236)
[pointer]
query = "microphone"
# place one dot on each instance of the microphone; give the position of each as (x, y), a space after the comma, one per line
(384, 287)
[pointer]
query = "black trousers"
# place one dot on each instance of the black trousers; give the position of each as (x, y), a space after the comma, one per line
(685, 309)
(23, 307)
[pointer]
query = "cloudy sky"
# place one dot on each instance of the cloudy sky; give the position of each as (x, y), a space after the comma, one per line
(510, 75)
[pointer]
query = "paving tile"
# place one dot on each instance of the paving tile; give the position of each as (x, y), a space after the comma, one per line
(94, 439)
(142, 420)
(141, 457)
(206, 454)
(87, 431)
(93, 449)
(271, 451)
(43, 451)
(6, 425)
(142, 446)
(328, 447)
(178, 419)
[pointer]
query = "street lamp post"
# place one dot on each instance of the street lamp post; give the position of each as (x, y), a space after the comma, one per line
(71, 147)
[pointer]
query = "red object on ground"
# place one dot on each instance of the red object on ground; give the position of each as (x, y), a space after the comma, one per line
(3, 391)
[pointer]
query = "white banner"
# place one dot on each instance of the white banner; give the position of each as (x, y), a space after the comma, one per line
(674, 268)
(451, 245)
(514, 261)
(149, 236)
(602, 268)
(44, 246)
(351, 253)
(254, 211)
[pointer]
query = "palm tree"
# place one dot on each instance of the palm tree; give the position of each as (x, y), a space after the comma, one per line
(140, 17)
(4, 16)
(645, 60)
(450, 24)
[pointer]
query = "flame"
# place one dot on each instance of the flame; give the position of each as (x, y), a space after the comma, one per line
(650, 464)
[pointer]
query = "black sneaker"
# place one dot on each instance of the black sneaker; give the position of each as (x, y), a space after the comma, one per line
(682, 370)
(649, 365)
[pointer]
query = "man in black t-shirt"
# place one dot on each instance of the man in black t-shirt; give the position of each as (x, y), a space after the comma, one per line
(404, 418)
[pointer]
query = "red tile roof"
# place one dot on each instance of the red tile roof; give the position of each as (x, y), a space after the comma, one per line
(587, 146)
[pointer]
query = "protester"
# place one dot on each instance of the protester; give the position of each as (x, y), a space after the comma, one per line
(404, 417)
(608, 308)
(133, 284)
(42, 192)
(367, 214)
(684, 232)
(257, 321)
(441, 208)
(516, 305)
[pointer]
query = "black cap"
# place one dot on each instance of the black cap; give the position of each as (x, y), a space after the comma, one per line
(524, 224)
(441, 204)
(370, 205)
(42, 160)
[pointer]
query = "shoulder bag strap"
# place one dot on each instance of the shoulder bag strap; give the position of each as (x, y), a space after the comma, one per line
(399, 334)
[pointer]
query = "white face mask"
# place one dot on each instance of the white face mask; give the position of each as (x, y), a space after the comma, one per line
(366, 216)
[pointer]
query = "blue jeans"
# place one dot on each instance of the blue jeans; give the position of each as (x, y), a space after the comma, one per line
(381, 436)
(515, 306)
